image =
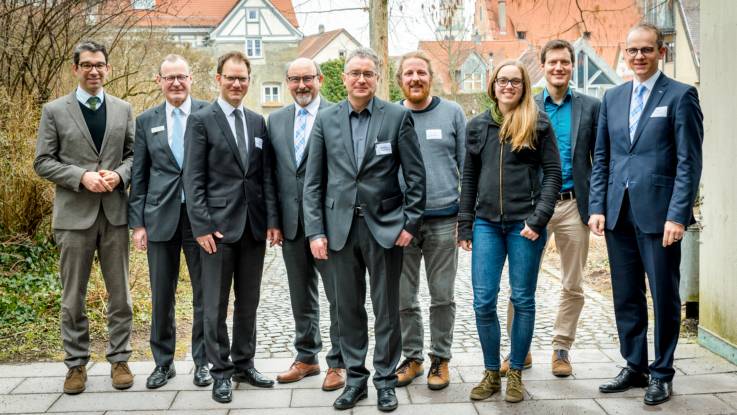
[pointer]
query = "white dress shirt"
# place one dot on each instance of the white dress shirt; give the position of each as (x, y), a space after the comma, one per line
(311, 114)
(649, 84)
(186, 108)
(83, 96)
(228, 110)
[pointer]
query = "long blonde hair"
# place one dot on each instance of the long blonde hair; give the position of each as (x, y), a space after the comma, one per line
(519, 126)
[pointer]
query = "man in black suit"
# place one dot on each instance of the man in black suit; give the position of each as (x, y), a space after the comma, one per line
(289, 131)
(232, 205)
(157, 213)
(354, 206)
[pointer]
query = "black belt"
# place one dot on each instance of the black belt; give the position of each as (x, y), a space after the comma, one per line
(569, 195)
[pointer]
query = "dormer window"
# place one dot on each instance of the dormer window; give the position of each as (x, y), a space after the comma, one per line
(521, 35)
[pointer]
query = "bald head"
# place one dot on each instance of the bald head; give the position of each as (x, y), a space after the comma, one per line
(304, 79)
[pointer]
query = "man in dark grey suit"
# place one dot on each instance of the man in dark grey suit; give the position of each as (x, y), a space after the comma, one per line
(158, 216)
(289, 131)
(354, 206)
(85, 147)
(232, 206)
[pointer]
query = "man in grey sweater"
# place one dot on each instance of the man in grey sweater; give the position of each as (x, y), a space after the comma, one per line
(441, 130)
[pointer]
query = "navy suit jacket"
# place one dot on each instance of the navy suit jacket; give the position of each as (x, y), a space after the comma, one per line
(660, 168)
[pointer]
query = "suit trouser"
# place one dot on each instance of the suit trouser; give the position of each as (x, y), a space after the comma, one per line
(77, 253)
(240, 263)
(437, 245)
(163, 264)
(362, 252)
(303, 292)
(634, 254)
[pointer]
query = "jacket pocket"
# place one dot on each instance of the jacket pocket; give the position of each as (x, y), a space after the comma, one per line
(216, 201)
(389, 204)
(663, 181)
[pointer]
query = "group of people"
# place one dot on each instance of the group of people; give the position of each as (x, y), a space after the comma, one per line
(368, 185)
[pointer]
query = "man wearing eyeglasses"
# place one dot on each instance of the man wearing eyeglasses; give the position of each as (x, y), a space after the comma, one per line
(85, 147)
(289, 131)
(358, 218)
(647, 166)
(233, 209)
(157, 213)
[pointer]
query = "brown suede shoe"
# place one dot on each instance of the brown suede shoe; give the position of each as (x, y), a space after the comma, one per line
(505, 364)
(122, 375)
(334, 379)
(408, 371)
(439, 375)
(489, 385)
(298, 371)
(75, 381)
(561, 364)
(515, 391)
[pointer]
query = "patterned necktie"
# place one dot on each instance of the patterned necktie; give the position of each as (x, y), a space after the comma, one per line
(177, 136)
(636, 109)
(240, 136)
(93, 102)
(300, 138)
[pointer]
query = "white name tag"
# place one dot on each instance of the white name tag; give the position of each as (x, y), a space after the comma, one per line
(259, 142)
(660, 112)
(383, 149)
(157, 129)
(434, 134)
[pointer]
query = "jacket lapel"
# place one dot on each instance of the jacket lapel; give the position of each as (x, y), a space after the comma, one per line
(76, 114)
(576, 109)
(323, 104)
(289, 133)
(377, 118)
(225, 127)
(251, 133)
(163, 135)
(345, 132)
(652, 102)
(110, 112)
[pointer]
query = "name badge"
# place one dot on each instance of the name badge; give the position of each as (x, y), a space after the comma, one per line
(157, 129)
(434, 134)
(259, 142)
(660, 112)
(383, 149)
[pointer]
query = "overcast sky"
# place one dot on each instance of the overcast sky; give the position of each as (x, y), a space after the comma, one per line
(408, 22)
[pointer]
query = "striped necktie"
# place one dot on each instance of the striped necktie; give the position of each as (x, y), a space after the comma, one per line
(636, 109)
(300, 139)
(177, 136)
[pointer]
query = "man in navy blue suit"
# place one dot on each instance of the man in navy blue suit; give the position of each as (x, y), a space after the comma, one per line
(647, 166)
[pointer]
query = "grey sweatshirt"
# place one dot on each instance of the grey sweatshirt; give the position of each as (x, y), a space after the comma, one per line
(441, 130)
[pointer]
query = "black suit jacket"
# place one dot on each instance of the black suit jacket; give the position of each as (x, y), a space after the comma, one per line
(156, 178)
(290, 178)
(333, 181)
(584, 119)
(222, 192)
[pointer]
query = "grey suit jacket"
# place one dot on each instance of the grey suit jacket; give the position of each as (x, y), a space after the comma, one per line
(334, 183)
(584, 119)
(156, 178)
(290, 178)
(65, 151)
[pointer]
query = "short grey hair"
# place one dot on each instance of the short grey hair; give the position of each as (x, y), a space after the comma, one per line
(365, 53)
(318, 72)
(172, 58)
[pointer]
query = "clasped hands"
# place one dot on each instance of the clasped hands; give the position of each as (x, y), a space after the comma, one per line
(100, 181)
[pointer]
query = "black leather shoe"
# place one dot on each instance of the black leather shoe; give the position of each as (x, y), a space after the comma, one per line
(386, 399)
(625, 380)
(252, 376)
(202, 376)
(222, 391)
(658, 391)
(350, 397)
(160, 376)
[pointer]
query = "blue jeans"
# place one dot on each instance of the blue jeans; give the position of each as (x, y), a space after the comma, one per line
(493, 242)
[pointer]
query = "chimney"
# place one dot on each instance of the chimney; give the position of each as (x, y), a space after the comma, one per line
(321, 29)
(502, 17)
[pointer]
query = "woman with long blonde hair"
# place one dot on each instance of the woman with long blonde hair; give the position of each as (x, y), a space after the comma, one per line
(511, 178)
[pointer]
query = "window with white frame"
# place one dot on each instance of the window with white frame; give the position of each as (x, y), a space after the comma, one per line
(144, 4)
(252, 15)
(271, 94)
(473, 82)
(253, 48)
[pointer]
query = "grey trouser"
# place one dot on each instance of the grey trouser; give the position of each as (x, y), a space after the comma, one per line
(77, 252)
(437, 244)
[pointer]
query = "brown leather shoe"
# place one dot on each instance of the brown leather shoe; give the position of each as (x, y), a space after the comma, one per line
(561, 364)
(75, 381)
(122, 375)
(334, 379)
(408, 371)
(439, 375)
(298, 371)
(505, 364)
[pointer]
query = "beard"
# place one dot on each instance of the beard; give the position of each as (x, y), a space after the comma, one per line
(303, 98)
(414, 97)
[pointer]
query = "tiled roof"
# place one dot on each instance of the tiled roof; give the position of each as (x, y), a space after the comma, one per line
(311, 45)
(203, 13)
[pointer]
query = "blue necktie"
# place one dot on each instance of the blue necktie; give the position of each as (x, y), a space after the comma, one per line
(300, 138)
(177, 136)
(636, 109)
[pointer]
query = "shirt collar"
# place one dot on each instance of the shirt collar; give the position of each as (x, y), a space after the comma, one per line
(186, 106)
(83, 96)
(369, 107)
(226, 107)
(546, 95)
(649, 83)
(311, 107)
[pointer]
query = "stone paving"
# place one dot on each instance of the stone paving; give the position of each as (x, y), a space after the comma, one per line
(704, 384)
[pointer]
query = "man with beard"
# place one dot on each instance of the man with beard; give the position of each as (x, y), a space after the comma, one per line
(289, 131)
(441, 131)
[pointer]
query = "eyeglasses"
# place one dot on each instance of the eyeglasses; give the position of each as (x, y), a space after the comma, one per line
(232, 79)
(503, 82)
(86, 66)
(307, 79)
(171, 78)
(647, 50)
(367, 75)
